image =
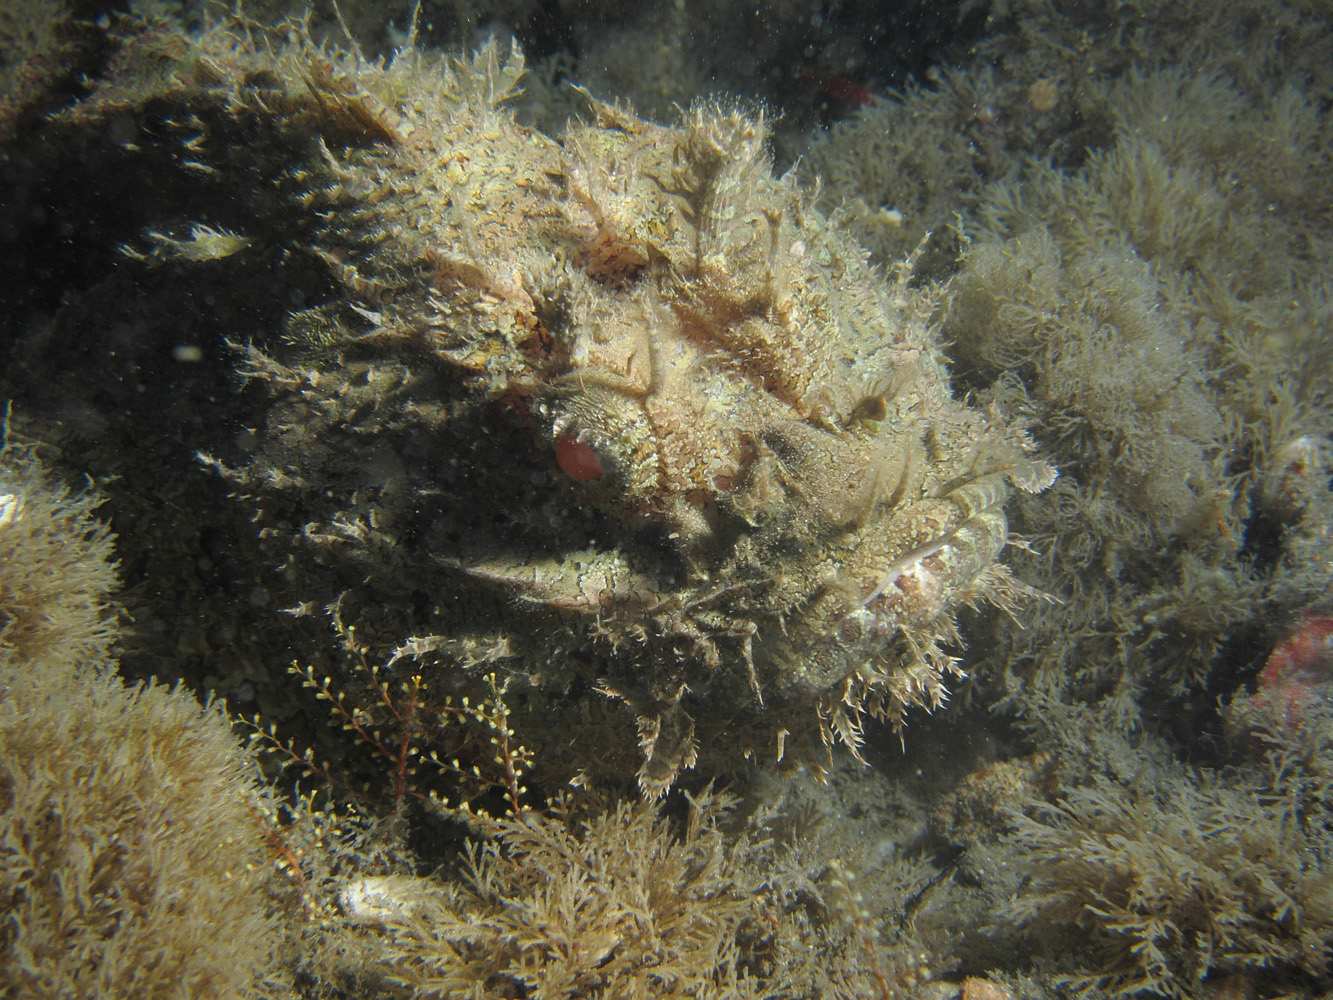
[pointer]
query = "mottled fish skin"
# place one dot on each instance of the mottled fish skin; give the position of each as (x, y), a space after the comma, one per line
(715, 366)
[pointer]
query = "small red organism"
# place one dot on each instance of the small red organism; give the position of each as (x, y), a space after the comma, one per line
(577, 459)
(1298, 672)
(839, 88)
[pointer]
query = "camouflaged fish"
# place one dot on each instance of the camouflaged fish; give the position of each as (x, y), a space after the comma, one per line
(732, 471)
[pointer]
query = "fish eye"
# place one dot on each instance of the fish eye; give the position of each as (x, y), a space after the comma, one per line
(578, 459)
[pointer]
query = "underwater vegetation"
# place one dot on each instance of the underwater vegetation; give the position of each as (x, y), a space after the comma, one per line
(131, 858)
(1156, 302)
(1148, 877)
(572, 470)
(1208, 436)
(59, 568)
(621, 905)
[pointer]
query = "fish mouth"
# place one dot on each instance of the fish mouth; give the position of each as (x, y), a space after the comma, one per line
(917, 585)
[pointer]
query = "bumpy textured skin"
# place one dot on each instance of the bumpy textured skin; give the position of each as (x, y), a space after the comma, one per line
(798, 501)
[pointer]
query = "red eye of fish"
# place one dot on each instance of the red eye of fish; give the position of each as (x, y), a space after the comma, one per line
(577, 459)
